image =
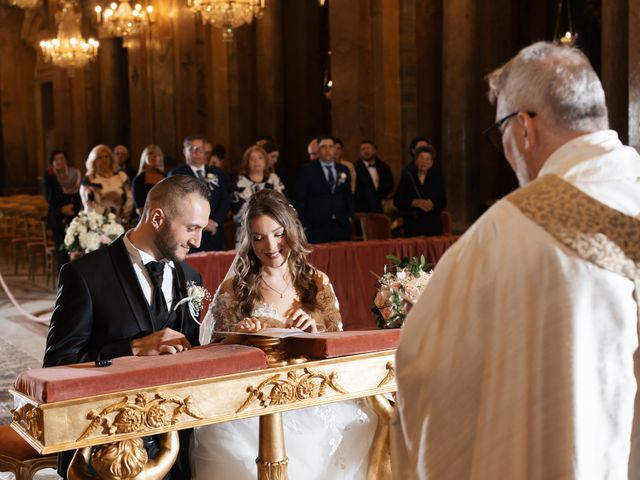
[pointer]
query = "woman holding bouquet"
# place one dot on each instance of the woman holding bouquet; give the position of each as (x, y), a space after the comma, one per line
(273, 285)
(104, 188)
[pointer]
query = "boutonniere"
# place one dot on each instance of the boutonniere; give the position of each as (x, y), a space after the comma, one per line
(212, 178)
(196, 295)
(342, 177)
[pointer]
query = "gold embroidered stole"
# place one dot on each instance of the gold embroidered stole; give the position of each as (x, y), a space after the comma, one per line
(597, 233)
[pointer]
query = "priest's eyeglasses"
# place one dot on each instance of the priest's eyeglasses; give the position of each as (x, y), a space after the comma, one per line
(494, 132)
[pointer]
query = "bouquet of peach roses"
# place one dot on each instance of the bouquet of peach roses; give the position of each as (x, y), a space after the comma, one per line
(398, 289)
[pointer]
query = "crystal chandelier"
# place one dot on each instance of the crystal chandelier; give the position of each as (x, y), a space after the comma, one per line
(227, 14)
(122, 20)
(69, 49)
(26, 4)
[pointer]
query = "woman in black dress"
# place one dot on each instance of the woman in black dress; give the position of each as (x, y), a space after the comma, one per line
(61, 190)
(150, 172)
(420, 196)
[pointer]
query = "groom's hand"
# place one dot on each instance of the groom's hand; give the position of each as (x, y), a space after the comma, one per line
(165, 341)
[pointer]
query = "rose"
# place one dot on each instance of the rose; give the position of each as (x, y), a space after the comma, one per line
(386, 312)
(380, 300)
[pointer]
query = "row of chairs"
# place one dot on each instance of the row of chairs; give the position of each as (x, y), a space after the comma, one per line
(24, 237)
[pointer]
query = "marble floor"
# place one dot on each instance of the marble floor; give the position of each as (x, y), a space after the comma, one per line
(22, 340)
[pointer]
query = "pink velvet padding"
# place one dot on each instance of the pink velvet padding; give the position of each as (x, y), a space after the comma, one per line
(47, 385)
(338, 344)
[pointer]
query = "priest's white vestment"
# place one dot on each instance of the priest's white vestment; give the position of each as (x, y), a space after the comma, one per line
(517, 362)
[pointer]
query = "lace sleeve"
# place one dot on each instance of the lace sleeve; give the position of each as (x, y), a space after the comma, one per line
(327, 316)
(222, 316)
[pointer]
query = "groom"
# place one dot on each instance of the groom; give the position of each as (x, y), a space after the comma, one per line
(118, 301)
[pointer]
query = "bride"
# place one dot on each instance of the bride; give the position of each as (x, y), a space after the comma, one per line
(274, 286)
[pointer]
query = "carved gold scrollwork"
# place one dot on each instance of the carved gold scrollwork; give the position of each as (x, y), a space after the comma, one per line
(294, 387)
(29, 417)
(140, 415)
(389, 377)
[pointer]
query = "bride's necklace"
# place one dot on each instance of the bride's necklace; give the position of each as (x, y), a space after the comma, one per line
(281, 293)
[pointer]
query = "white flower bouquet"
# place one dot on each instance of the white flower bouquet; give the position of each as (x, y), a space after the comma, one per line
(398, 289)
(91, 230)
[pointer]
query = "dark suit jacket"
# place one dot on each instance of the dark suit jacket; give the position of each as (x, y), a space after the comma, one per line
(325, 215)
(367, 198)
(219, 202)
(100, 307)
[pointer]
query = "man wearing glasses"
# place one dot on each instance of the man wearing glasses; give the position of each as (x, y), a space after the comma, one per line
(195, 165)
(518, 359)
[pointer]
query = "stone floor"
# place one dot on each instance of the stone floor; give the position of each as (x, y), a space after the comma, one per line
(22, 340)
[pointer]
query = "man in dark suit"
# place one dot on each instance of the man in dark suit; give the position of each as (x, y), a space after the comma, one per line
(118, 301)
(322, 196)
(214, 178)
(374, 180)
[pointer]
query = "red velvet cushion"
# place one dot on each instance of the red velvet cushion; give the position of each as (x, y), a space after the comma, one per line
(14, 446)
(337, 344)
(47, 385)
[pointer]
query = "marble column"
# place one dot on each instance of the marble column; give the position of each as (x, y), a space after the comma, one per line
(634, 74)
(615, 63)
(459, 108)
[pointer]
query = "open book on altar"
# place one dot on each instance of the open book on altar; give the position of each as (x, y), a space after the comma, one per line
(271, 332)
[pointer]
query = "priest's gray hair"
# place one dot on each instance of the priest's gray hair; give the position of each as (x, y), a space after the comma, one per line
(555, 80)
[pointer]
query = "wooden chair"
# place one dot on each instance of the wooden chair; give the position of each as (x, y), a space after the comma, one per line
(229, 234)
(446, 222)
(375, 226)
(18, 457)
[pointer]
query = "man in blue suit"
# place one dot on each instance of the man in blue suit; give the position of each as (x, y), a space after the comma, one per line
(322, 196)
(214, 178)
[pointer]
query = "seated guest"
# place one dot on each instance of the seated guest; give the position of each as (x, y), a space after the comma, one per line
(151, 171)
(214, 179)
(61, 190)
(254, 176)
(273, 285)
(375, 180)
(105, 189)
(120, 300)
(323, 197)
(122, 161)
(420, 196)
(312, 150)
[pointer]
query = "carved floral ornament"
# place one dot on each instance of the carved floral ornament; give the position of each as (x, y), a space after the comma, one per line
(29, 417)
(292, 388)
(140, 415)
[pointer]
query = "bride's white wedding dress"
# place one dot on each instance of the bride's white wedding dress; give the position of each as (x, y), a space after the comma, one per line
(326, 442)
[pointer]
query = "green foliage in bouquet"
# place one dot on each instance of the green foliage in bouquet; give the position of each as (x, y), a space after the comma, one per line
(398, 289)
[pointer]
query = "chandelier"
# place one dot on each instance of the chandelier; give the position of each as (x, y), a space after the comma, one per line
(227, 14)
(26, 4)
(569, 37)
(69, 49)
(122, 20)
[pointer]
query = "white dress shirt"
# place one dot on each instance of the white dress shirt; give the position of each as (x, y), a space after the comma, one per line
(139, 259)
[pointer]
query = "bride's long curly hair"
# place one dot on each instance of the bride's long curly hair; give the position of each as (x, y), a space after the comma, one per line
(247, 267)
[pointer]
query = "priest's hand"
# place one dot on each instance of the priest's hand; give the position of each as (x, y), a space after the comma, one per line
(212, 227)
(165, 341)
(298, 318)
(249, 325)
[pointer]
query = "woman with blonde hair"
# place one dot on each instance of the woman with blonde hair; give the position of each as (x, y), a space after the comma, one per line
(104, 189)
(150, 172)
(254, 175)
(274, 285)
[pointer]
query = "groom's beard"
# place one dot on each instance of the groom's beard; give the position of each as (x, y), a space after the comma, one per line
(167, 246)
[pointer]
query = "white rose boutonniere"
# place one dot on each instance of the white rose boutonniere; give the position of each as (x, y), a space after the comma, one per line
(342, 177)
(196, 295)
(212, 178)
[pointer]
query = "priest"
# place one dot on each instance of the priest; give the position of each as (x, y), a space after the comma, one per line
(518, 359)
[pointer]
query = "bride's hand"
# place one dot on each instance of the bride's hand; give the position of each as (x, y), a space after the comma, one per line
(249, 325)
(299, 319)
